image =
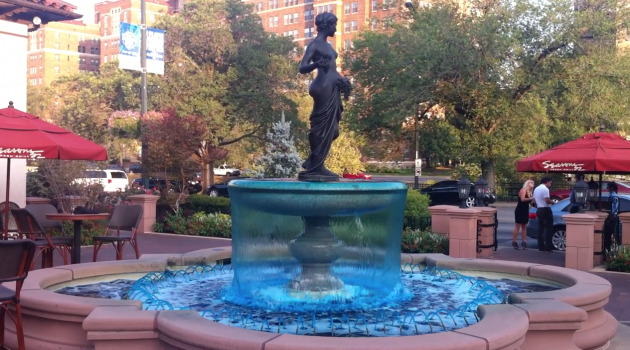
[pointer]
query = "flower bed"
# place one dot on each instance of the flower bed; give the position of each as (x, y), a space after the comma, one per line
(418, 241)
(618, 258)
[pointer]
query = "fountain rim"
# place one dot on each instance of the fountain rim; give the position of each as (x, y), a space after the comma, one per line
(344, 185)
(584, 291)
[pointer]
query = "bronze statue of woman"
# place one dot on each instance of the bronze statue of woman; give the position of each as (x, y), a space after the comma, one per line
(326, 90)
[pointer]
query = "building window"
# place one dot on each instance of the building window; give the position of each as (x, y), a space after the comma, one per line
(105, 46)
(325, 8)
(286, 19)
(295, 17)
(346, 27)
(40, 68)
(308, 32)
(295, 34)
(355, 7)
(309, 15)
(374, 24)
(56, 46)
(387, 4)
(374, 5)
(347, 44)
(40, 81)
(354, 26)
(346, 9)
(56, 58)
(273, 21)
(258, 7)
(273, 4)
(56, 34)
(56, 69)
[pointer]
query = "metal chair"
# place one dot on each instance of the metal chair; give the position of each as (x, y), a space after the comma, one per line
(29, 227)
(15, 258)
(12, 226)
(39, 211)
(122, 228)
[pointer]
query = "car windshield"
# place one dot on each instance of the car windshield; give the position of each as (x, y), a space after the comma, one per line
(118, 175)
(94, 174)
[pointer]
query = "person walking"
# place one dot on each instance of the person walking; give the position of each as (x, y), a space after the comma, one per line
(521, 213)
(544, 214)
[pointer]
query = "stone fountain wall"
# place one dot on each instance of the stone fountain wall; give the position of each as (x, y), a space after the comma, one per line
(567, 319)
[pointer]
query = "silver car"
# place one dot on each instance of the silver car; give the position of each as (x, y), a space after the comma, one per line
(562, 208)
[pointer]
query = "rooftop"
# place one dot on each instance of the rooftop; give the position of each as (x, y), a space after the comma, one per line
(24, 11)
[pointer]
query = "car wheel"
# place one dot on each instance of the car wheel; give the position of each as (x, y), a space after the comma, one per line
(213, 193)
(555, 200)
(470, 202)
(228, 174)
(559, 238)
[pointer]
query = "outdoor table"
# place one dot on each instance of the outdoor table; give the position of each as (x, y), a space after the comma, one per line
(78, 220)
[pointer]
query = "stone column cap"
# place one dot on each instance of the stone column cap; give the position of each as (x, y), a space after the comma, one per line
(464, 213)
(435, 209)
(485, 211)
(144, 198)
(579, 219)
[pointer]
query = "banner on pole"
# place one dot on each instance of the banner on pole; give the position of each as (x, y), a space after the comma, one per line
(155, 51)
(129, 55)
(130, 43)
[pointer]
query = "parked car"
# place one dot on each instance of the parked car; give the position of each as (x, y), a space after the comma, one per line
(111, 180)
(562, 208)
(158, 184)
(218, 190)
(224, 170)
(558, 195)
(358, 176)
(445, 192)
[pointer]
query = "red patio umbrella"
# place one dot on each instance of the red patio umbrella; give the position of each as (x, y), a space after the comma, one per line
(25, 136)
(595, 153)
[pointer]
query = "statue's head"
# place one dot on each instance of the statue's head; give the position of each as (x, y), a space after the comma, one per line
(326, 22)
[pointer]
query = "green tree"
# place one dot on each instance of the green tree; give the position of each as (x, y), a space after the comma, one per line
(223, 67)
(491, 67)
(281, 159)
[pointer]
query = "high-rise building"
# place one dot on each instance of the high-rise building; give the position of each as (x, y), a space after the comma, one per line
(296, 18)
(109, 14)
(62, 48)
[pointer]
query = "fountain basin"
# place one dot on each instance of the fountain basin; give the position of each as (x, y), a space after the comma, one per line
(568, 318)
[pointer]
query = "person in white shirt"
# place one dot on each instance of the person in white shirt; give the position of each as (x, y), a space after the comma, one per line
(544, 215)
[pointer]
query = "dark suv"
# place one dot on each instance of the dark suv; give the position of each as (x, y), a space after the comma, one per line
(445, 192)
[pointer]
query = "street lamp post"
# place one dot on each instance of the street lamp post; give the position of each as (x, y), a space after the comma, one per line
(581, 192)
(481, 187)
(463, 190)
(143, 91)
(418, 162)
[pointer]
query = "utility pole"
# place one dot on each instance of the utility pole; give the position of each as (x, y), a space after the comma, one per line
(143, 92)
(417, 166)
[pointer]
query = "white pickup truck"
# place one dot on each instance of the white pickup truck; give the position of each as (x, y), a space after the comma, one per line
(224, 170)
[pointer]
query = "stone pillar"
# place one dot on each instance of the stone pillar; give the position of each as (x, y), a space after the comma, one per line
(37, 200)
(625, 228)
(597, 238)
(486, 236)
(463, 232)
(580, 234)
(149, 213)
(440, 219)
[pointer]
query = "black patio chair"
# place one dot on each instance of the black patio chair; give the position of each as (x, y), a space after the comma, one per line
(122, 228)
(29, 227)
(15, 259)
(39, 212)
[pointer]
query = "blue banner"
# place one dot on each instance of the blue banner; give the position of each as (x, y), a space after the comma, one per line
(155, 51)
(129, 57)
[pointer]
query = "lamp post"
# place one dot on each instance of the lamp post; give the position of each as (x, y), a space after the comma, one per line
(481, 188)
(581, 192)
(593, 192)
(143, 91)
(463, 189)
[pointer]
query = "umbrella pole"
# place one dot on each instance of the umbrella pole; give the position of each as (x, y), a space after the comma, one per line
(5, 229)
(600, 193)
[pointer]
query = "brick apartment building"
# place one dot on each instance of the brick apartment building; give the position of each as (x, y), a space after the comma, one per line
(62, 48)
(296, 18)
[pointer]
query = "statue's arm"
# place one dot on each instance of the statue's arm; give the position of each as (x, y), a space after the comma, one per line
(306, 66)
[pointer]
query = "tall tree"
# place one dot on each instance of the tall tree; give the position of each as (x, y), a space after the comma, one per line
(223, 67)
(489, 65)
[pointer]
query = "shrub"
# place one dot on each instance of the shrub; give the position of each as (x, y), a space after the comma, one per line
(416, 241)
(89, 229)
(618, 258)
(199, 224)
(207, 204)
(417, 204)
(214, 224)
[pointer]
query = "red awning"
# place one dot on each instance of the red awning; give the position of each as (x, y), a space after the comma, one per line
(25, 136)
(592, 153)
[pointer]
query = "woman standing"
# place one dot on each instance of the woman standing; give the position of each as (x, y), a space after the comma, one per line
(521, 213)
